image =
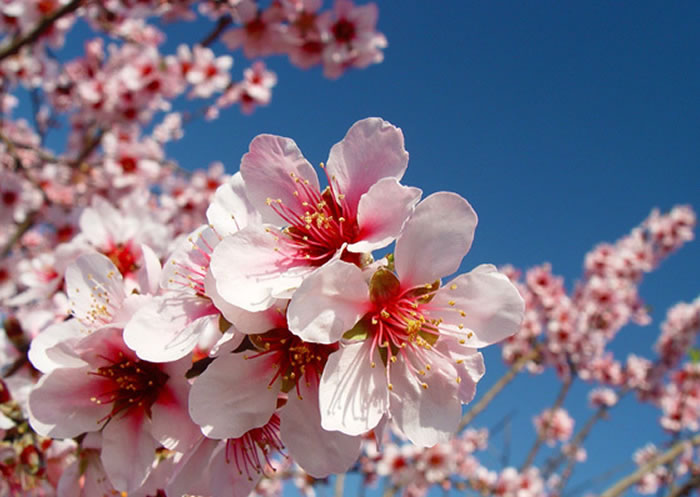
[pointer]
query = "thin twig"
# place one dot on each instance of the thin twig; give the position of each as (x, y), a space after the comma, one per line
(685, 489)
(629, 480)
(478, 407)
(218, 29)
(563, 391)
(43, 26)
(339, 484)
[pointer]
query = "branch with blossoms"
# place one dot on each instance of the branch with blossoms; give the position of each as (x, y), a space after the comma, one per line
(206, 334)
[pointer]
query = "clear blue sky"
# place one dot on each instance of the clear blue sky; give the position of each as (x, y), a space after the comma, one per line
(563, 123)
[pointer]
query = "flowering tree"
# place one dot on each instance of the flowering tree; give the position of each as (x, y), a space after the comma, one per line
(169, 333)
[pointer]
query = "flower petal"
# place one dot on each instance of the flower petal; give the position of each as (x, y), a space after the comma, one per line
(95, 289)
(230, 209)
(353, 395)
(128, 450)
(270, 170)
(426, 416)
(435, 239)
(234, 395)
(328, 303)
(382, 212)
(168, 328)
(60, 405)
(250, 271)
(371, 150)
(301, 432)
(493, 308)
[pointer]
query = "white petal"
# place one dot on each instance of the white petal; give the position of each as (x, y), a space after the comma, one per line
(95, 289)
(250, 273)
(353, 395)
(267, 170)
(492, 306)
(435, 239)
(128, 450)
(328, 303)
(426, 416)
(64, 334)
(168, 328)
(60, 405)
(231, 210)
(319, 452)
(372, 149)
(232, 396)
(382, 212)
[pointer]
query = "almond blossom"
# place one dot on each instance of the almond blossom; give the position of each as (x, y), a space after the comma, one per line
(410, 349)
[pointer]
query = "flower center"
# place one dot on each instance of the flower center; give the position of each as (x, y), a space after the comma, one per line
(318, 231)
(123, 257)
(133, 384)
(293, 358)
(343, 31)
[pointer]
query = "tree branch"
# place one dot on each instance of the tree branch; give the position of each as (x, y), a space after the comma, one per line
(218, 29)
(43, 26)
(497, 387)
(629, 480)
(563, 391)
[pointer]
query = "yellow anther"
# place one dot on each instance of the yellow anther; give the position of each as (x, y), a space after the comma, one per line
(453, 286)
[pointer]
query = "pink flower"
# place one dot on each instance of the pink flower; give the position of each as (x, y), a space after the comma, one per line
(362, 209)
(554, 425)
(350, 37)
(136, 405)
(410, 343)
(239, 392)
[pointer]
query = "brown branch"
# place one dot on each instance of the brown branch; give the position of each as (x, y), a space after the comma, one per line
(43, 26)
(631, 479)
(223, 23)
(497, 387)
(563, 391)
(685, 489)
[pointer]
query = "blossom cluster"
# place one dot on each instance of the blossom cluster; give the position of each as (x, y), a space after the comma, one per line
(186, 363)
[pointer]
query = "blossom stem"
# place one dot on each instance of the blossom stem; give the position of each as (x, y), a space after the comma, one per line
(623, 484)
(497, 387)
(41, 27)
(563, 391)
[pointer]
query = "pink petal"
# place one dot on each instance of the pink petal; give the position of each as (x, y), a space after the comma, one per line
(328, 303)
(234, 395)
(149, 274)
(469, 365)
(43, 354)
(371, 150)
(128, 450)
(353, 395)
(227, 479)
(270, 170)
(426, 416)
(168, 327)
(60, 405)
(231, 210)
(250, 273)
(301, 432)
(382, 212)
(493, 308)
(171, 424)
(95, 289)
(247, 322)
(192, 474)
(435, 239)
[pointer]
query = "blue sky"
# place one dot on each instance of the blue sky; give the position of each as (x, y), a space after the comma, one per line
(562, 123)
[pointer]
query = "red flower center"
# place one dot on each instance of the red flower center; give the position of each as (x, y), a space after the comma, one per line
(343, 31)
(133, 384)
